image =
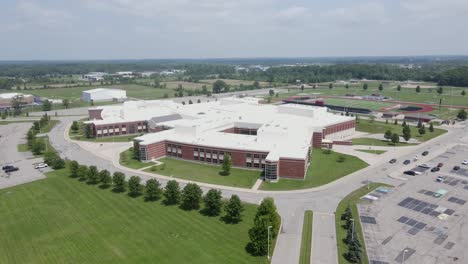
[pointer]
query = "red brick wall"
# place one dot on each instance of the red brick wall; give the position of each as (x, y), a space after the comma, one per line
(238, 158)
(119, 125)
(95, 114)
(158, 129)
(292, 168)
(187, 152)
(339, 127)
(317, 139)
(156, 150)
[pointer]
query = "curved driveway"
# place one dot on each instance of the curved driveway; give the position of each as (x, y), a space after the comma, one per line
(291, 205)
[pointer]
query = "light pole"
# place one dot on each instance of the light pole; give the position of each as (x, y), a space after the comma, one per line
(403, 258)
(268, 242)
(352, 229)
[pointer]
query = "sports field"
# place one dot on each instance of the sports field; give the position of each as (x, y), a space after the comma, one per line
(372, 105)
(63, 220)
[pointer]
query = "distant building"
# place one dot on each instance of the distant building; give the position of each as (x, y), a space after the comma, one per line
(6, 99)
(125, 74)
(94, 76)
(103, 94)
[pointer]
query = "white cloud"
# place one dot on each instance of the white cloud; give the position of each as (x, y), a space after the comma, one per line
(367, 13)
(36, 14)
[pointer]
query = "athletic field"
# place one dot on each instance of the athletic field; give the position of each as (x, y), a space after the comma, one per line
(372, 105)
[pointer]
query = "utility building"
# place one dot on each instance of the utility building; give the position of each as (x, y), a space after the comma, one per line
(103, 94)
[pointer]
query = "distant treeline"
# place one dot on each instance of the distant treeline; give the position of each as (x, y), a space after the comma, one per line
(448, 73)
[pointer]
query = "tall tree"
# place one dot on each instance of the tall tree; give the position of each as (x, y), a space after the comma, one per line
(191, 197)
(219, 86)
(93, 176)
(118, 179)
(461, 114)
(88, 131)
(172, 192)
(105, 178)
(226, 167)
(418, 89)
(422, 130)
(388, 134)
(74, 168)
(38, 146)
(234, 209)
(153, 190)
(431, 127)
(82, 172)
(256, 85)
(380, 87)
(17, 103)
(365, 86)
(395, 138)
(134, 186)
(66, 103)
(46, 105)
(268, 208)
(213, 202)
(75, 127)
(398, 88)
(406, 133)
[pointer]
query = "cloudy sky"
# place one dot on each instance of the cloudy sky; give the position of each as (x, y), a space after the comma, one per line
(135, 29)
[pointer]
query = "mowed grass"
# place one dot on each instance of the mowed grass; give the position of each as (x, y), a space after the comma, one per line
(376, 152)
(375, 127)
(22, 147)
(324, 168)
(63, 220)
(379, 142)
(357, 103)
(352, 199)
(306, 242)
(74, 93)
(127, 160)
(206, 173)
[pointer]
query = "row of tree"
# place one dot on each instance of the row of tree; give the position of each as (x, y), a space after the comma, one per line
(354, 253)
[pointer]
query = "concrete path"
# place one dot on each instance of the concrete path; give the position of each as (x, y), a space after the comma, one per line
(324, 239)
(257, 184)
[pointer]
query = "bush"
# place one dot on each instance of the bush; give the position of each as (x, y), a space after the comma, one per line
(191, 197)
(213, 202)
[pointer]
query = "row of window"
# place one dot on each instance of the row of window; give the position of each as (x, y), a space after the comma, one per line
(174, 150)
(209, 155)
(120, 130)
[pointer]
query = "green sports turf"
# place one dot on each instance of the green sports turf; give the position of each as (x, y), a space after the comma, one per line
(63, 220)
(357, 103)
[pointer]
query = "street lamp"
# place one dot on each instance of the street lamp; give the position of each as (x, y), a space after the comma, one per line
(403, 259)
(268, 242)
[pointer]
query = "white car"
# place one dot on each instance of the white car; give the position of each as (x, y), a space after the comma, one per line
(424, 165)
(465, 162)
(41, 166)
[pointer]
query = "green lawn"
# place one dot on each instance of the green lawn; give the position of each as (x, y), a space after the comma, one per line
(23, 148)
(49, 126)
(376, 152)
(12, 122)
(357, 103)
(379, 142)
(306, 244)
(351, 199)
(127, 160)
(206, 173)
(324, 168)
(375, 127)
(63, 220)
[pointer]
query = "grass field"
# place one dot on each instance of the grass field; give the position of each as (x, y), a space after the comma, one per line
(127, 160)
(375, 127)
(306, 242)
(206, 173)
(23, 148)
(379, 142)
(376, 152)
(74, 93)
(351, 199)
(62, 220)
(324, 168)
(357, 103)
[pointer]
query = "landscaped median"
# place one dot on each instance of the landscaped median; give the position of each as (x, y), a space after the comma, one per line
(325, 167)
(193, 171)
(351, 201)
(306, 244)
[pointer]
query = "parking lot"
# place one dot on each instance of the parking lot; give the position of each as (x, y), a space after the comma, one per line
(421, 220)
(12, 135)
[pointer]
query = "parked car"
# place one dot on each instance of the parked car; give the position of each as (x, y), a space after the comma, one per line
(392, 161)
(41, 165)
(410, 172)
(440, 178)
(425, 165)
(456, 168)
(6, 167)
(406, 162)
(425, 153)
(435, 169)
(465, 162)
(12, 169)
(440, 165)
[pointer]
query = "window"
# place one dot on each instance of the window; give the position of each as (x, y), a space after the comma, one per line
(249, 164)
(249, 155)
(263, 165)
(215, 161)
(131, 129)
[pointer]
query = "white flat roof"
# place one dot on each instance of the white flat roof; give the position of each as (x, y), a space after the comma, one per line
(284, 131)
(102, 89)
(11, 95)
